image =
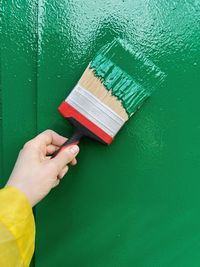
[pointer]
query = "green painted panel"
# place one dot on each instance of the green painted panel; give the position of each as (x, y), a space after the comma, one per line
(18, 80)
(135, 203)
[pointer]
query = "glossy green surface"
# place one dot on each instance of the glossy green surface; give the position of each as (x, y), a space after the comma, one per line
(136, 202)
(18, 87)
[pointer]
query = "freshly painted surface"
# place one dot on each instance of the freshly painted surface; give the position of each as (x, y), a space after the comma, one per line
(136, 202)
(18, 116)
(18, 79)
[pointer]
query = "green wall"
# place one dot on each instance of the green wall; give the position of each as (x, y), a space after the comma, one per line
(136, 202)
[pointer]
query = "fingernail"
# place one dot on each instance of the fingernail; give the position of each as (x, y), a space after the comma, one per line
(74, 149)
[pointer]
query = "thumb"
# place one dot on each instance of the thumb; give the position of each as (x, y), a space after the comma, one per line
(65, 156)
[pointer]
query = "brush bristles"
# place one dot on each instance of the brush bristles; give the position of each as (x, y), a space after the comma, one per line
(94, 85)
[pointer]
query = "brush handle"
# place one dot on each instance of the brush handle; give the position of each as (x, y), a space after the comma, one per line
(74, 140)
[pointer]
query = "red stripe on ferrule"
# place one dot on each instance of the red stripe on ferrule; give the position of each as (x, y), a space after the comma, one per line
(68, 111)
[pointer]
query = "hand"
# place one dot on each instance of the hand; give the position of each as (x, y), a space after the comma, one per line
(35, 173)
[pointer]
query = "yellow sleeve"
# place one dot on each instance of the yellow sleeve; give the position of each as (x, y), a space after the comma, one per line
(17, 229)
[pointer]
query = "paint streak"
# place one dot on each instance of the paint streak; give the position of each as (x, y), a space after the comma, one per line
(129, 75)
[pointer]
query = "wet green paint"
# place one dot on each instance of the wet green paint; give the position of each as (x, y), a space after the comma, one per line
(18, 80)
(135, 203)
(127, 91)
(129, 75)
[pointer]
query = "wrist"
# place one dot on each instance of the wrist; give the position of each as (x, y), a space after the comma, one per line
(23, 191)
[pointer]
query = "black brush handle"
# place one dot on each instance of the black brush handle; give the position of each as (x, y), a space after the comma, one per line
(74, 140)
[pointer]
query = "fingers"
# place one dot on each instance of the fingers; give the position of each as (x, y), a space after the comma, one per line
(50, 149)
(73, 162)
(64, 157)
(56, 183)
(50, 137)
(63, 172)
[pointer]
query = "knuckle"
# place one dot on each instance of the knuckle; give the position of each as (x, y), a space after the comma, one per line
(28, 144)
(48, 131)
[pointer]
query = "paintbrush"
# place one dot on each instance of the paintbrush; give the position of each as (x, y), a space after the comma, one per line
(112, 88)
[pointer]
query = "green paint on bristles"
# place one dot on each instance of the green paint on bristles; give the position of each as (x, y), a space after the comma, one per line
(129, 75)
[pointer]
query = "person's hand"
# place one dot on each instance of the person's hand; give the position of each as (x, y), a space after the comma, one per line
(35, 173)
